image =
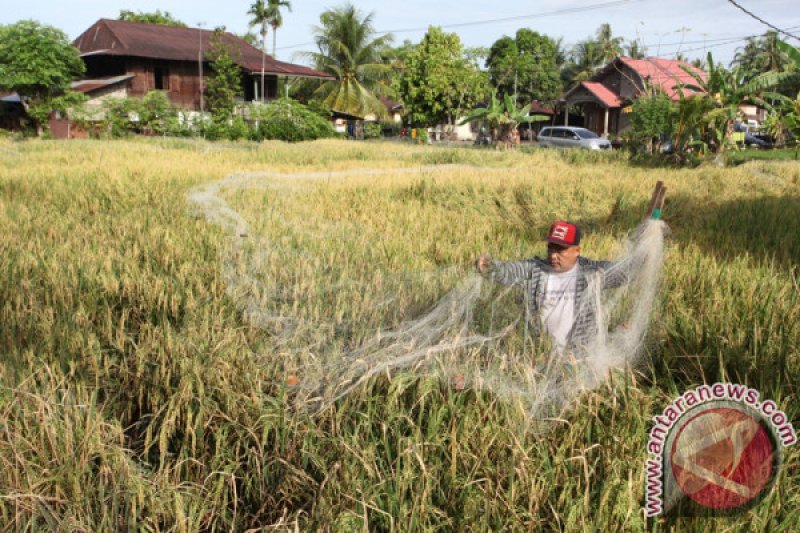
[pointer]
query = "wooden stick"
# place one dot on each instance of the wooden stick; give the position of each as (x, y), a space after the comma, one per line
(660, 202)
(654, 198)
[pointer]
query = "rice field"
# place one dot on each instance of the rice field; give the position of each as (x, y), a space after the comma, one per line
(136, 395)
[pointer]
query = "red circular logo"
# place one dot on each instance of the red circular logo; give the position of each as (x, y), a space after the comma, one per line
(723, 458)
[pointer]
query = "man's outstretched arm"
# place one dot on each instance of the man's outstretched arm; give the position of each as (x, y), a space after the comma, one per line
(506, 273)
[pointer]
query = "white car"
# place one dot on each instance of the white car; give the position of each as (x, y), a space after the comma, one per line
(571, 137)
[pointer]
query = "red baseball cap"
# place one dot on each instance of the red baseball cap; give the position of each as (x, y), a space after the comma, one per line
(564, 234)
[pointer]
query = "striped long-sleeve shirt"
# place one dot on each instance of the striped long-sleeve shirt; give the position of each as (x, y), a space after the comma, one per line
(531, 275)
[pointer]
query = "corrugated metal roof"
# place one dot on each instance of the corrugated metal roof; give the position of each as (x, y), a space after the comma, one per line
(87, 86)
(123, 38)
(390, 104)
(602, 93)
(537, 108)
(665, 74)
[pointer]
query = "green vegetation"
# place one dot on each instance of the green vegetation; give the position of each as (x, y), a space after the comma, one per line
(349, 50)
(438, 82)
(157, 17)
(525, 67)
(287, 120)
(651, 118)
(225, 81)
(135, 396)
(38, 63)
(502, 117)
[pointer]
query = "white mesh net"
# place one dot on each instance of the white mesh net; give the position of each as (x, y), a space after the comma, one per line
(330, 337)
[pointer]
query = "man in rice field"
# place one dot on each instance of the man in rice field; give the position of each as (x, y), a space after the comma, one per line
(556, 289)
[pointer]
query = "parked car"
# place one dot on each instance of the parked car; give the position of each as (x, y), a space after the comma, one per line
(568, 136)
(751, 136)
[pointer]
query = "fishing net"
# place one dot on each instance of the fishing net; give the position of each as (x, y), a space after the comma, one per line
(333, 322)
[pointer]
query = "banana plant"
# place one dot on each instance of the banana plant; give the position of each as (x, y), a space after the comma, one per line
(502, 117)
(785, 117)
(728, 89)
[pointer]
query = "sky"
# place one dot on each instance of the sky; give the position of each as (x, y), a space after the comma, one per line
(665, 26)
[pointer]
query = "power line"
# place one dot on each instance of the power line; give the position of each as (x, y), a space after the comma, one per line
(762, 21)
(564, 11)
(727, 41)
(523, 17)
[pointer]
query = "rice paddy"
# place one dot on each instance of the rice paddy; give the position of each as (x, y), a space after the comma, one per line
(137, 396)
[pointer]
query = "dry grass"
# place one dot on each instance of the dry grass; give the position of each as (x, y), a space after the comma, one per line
(136, 397)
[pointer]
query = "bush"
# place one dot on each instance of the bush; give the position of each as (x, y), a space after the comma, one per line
(372, 130)
(291, 121)
(119, 114)
(651, 121)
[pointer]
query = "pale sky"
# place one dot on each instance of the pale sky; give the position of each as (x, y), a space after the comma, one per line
(713, 25)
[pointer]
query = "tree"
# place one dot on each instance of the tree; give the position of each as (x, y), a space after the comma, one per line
(502, 117)
(759, 55)
(785, 112)
(592, 53)
(225, 83)
(763, 54)
(586, 59)
(651, 118)
(261, 18)
(609, 47)
(164, 19)
(439, 83)
(636, 49)
(276, 18)
(249, 37)
(526, 66)
(349, 50)
(38, 63)
(728, 89)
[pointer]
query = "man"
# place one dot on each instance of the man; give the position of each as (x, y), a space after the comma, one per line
(557, 290)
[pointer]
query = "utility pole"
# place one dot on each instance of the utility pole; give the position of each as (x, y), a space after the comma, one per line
(200, 66)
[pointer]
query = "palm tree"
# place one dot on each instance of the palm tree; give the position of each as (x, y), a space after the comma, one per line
(276, 18)
(609, 47)
(588, 58)
(760, 55)
(261, 18)
(349, 50)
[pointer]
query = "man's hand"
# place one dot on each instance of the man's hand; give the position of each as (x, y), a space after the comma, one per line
(483, 264)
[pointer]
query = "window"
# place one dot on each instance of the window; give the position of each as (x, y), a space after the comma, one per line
(161, 76)
(586, 134)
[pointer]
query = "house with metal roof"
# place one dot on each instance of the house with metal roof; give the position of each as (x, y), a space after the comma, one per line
(133, 58)
(605, 98)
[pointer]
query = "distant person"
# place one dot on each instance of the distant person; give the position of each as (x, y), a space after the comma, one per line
(556, 288)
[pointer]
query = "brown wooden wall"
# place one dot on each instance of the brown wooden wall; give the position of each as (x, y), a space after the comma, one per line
(179, 79)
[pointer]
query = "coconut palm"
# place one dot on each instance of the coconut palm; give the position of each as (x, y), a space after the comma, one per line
(608, 46)
(760, 55)
(261, 19)
(276, 18)
(588, 58)
(350, 51)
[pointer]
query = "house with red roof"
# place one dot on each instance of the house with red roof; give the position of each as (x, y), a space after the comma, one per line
(605, 98)
(132, 58)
